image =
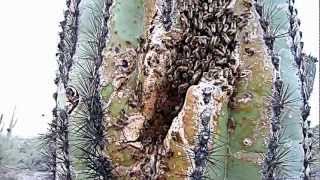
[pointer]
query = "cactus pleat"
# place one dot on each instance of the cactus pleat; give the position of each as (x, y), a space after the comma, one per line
(306, 73)
(248, 108)
(285, 158)
(58, 136)
(90, 130)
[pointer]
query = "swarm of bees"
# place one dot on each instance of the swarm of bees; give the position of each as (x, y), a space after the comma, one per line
(206, 50)
(206, 47)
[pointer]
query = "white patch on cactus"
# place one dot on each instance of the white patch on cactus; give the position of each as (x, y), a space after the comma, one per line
(132, 130)
(62, 98)
(247, 142)
(158, 31)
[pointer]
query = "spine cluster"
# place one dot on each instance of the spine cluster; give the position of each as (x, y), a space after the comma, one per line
(201, 151)
(166, 14)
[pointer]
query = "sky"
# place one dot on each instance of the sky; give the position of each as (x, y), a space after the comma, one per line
(308, 12)
(28, 40)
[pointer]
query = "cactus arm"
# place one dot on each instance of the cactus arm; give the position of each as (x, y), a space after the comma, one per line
(13, 122)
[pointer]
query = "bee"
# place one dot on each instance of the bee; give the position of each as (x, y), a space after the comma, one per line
(170, 78)
(196, 53)
(188, 39)
(203, 53)
(207, 16)
(205, 6)
(185, 5)
(185, 76)
(220, 50)
(219, 14)
(196, 77)
(246, 38)
(242, 23)
(182, 88)
(182, 69)
(246, 15)
(249, 51)
(200, 24)
(247, 4)
(186, 51)
(197, 65)
(184, 20)
(224, 19)
(210, 75)
(222, 61)
(209, 57)
(213, 41)
(202, 39)
(190, 13)
(212, 64)
(210, 10)
(226, 38)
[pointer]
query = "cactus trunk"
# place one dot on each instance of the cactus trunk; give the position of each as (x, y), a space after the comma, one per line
(183, 89)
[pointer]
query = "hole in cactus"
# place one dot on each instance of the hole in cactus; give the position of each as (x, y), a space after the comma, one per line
(125, 63)
(167, 107)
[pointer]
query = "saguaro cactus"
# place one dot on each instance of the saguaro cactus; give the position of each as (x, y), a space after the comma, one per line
(12, 123)
(183, 89)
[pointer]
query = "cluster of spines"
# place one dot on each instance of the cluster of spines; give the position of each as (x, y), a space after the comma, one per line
(268, 13)
(277, 152)
(306, 72)
(90, 115)
(201, 151)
